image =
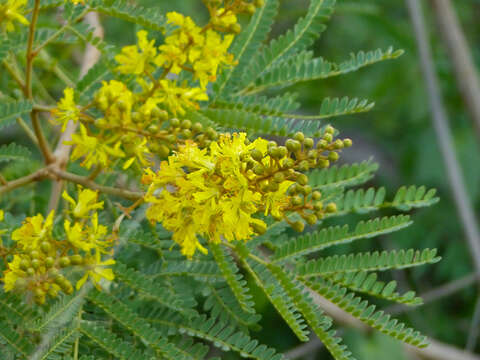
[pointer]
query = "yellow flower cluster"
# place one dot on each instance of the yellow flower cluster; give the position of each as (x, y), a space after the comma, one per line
(137, 125)
(39, 257)
(219, 192)
(12, 11)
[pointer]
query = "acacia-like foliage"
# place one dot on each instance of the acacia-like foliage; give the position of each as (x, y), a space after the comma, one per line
(162, 304)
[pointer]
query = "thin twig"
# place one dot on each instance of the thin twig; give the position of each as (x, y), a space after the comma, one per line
(14, 184)
(474, 327)
(458, 51)
(444, 136)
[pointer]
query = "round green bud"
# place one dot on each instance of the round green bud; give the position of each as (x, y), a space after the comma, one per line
(52, 292)
(303, 166)
(211, 133)
(259, 3)
(297, 200)
(311, 219)
(76, 259)
(293, 189)
(307, 190)
(163, 151)
(20, 284)
(235, 28)
(36, 263)
(331, 208)
(258, 169)
(318, 206)
(186, 124)
(162, 115)
(347, 143)
(39, 292)
(272, 150)
(312, 154)
(49, 262)
(250, 9)
(259, 228)
(45, 246)
(298, 226)
(323, 163)
(328, 137)
(256, 154)
(174, 122)
(54, 273)
(64, 261)
(333, 156)
(153, 129)
(136, 117)
(282, 152)
(264, 185)
(121, 105)
(299, 136)
(30, 271)
(297, 146)
(171, 138)
(316, 195)
(338, 144)
(60, 279)
(279, 177)
(290, 144)
(197, 127)
(288, 163)
(271, 144)
(321, 144)
(329, 130)
(187, 133)
(24, 264)
(302, 179)
(273, 186)
(156, 112)
(308, 143)
(34, 254)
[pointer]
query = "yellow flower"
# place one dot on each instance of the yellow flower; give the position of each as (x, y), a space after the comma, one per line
(76, 236)
(66, 109)
(225, 19)
(12, 11)
(92, 150)
(137, 59)
(2, 215)
(96, 270)
(33, 230)
(116, 101)
(179, 99)
(87, 202)
(13, 273)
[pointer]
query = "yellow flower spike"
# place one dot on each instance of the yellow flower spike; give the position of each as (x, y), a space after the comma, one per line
(87, 202)
(33, 230)
(2, 215)
(76, 236)
(96, 270)
(179, 99)
(66, 109)
(12, 11)
(137, 59)
(13, 273)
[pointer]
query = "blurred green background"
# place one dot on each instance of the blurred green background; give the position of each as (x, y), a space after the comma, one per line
(398, 134)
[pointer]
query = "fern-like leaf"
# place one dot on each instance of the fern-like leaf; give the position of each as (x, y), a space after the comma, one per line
(376, 261)
(336, 235)
(9, 111)
(234, 278)
(14, 152)
(17, 343)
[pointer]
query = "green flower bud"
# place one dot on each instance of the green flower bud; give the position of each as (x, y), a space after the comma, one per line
(273, 186)
(163, 151)
(259, 228)
(306, 190)
(299, 136)
(259, 3)
(36, 263)
(264, 185)
(250, 9)
(24, 264)
(21, 284)
(290, 144)
(321, 144)
(331, 208)
(153, 129)
(282, 152)
(338, 144)
(171, 138)
(308, 143)
(197, 127)
(258, 169)
(76, 259)
(256, 154)
(316, 195)
(64, 261)
(211, 133)
(303, 166)
(174, 122)
(52, 292)
(323, 163)
(186, 124)
(347, 143)
(318, 206)
(187, 133)
(297, 200)
(136, 117)
(34, 254)
(45, 246)
(49, 261)
(30, 271)
(311, 219)
(278, 177)
(333, 156)
(329, 130)
(302, 179)
(328, 137)
(298, 226)
(288, 163)
(235, 28)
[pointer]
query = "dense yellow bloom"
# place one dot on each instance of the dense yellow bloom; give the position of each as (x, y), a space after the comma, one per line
(12, 11)
(87, 201)
(96, 270)
(225, 20)
(33, 230)
(92, 150)
(137, 59)
(178, 99)
(66, 109)
(210, 193)
(13, 273)
(116, 101)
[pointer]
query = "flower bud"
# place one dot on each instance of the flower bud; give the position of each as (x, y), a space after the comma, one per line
(259, 228)
(308, 143)
(30, 271)
(297, 200)
(49, 261)
(163, 151)
(186, 124)
(338, 144)
(347, 143)
(278, 177)
(235, 28)
(197, 127)
(258, 169)
(311, 219)
(45, 247)
(282, 152)
(76, 259)
(36, 263)
(256, 154)
(302, 179)
(298, 226)
(64, 261)
(328, 137)
(174, 122)
(329, 129)
(333, 156)
(24, 264)
(316, 195)
(331, 208)
(303, 166)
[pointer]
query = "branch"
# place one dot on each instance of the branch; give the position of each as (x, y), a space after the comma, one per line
(444, 136)
(458, 51)
(14, 184)
(86, 182)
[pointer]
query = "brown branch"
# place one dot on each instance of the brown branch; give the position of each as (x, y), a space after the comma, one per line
(458, 51)
(14, 184)
(86, 182)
